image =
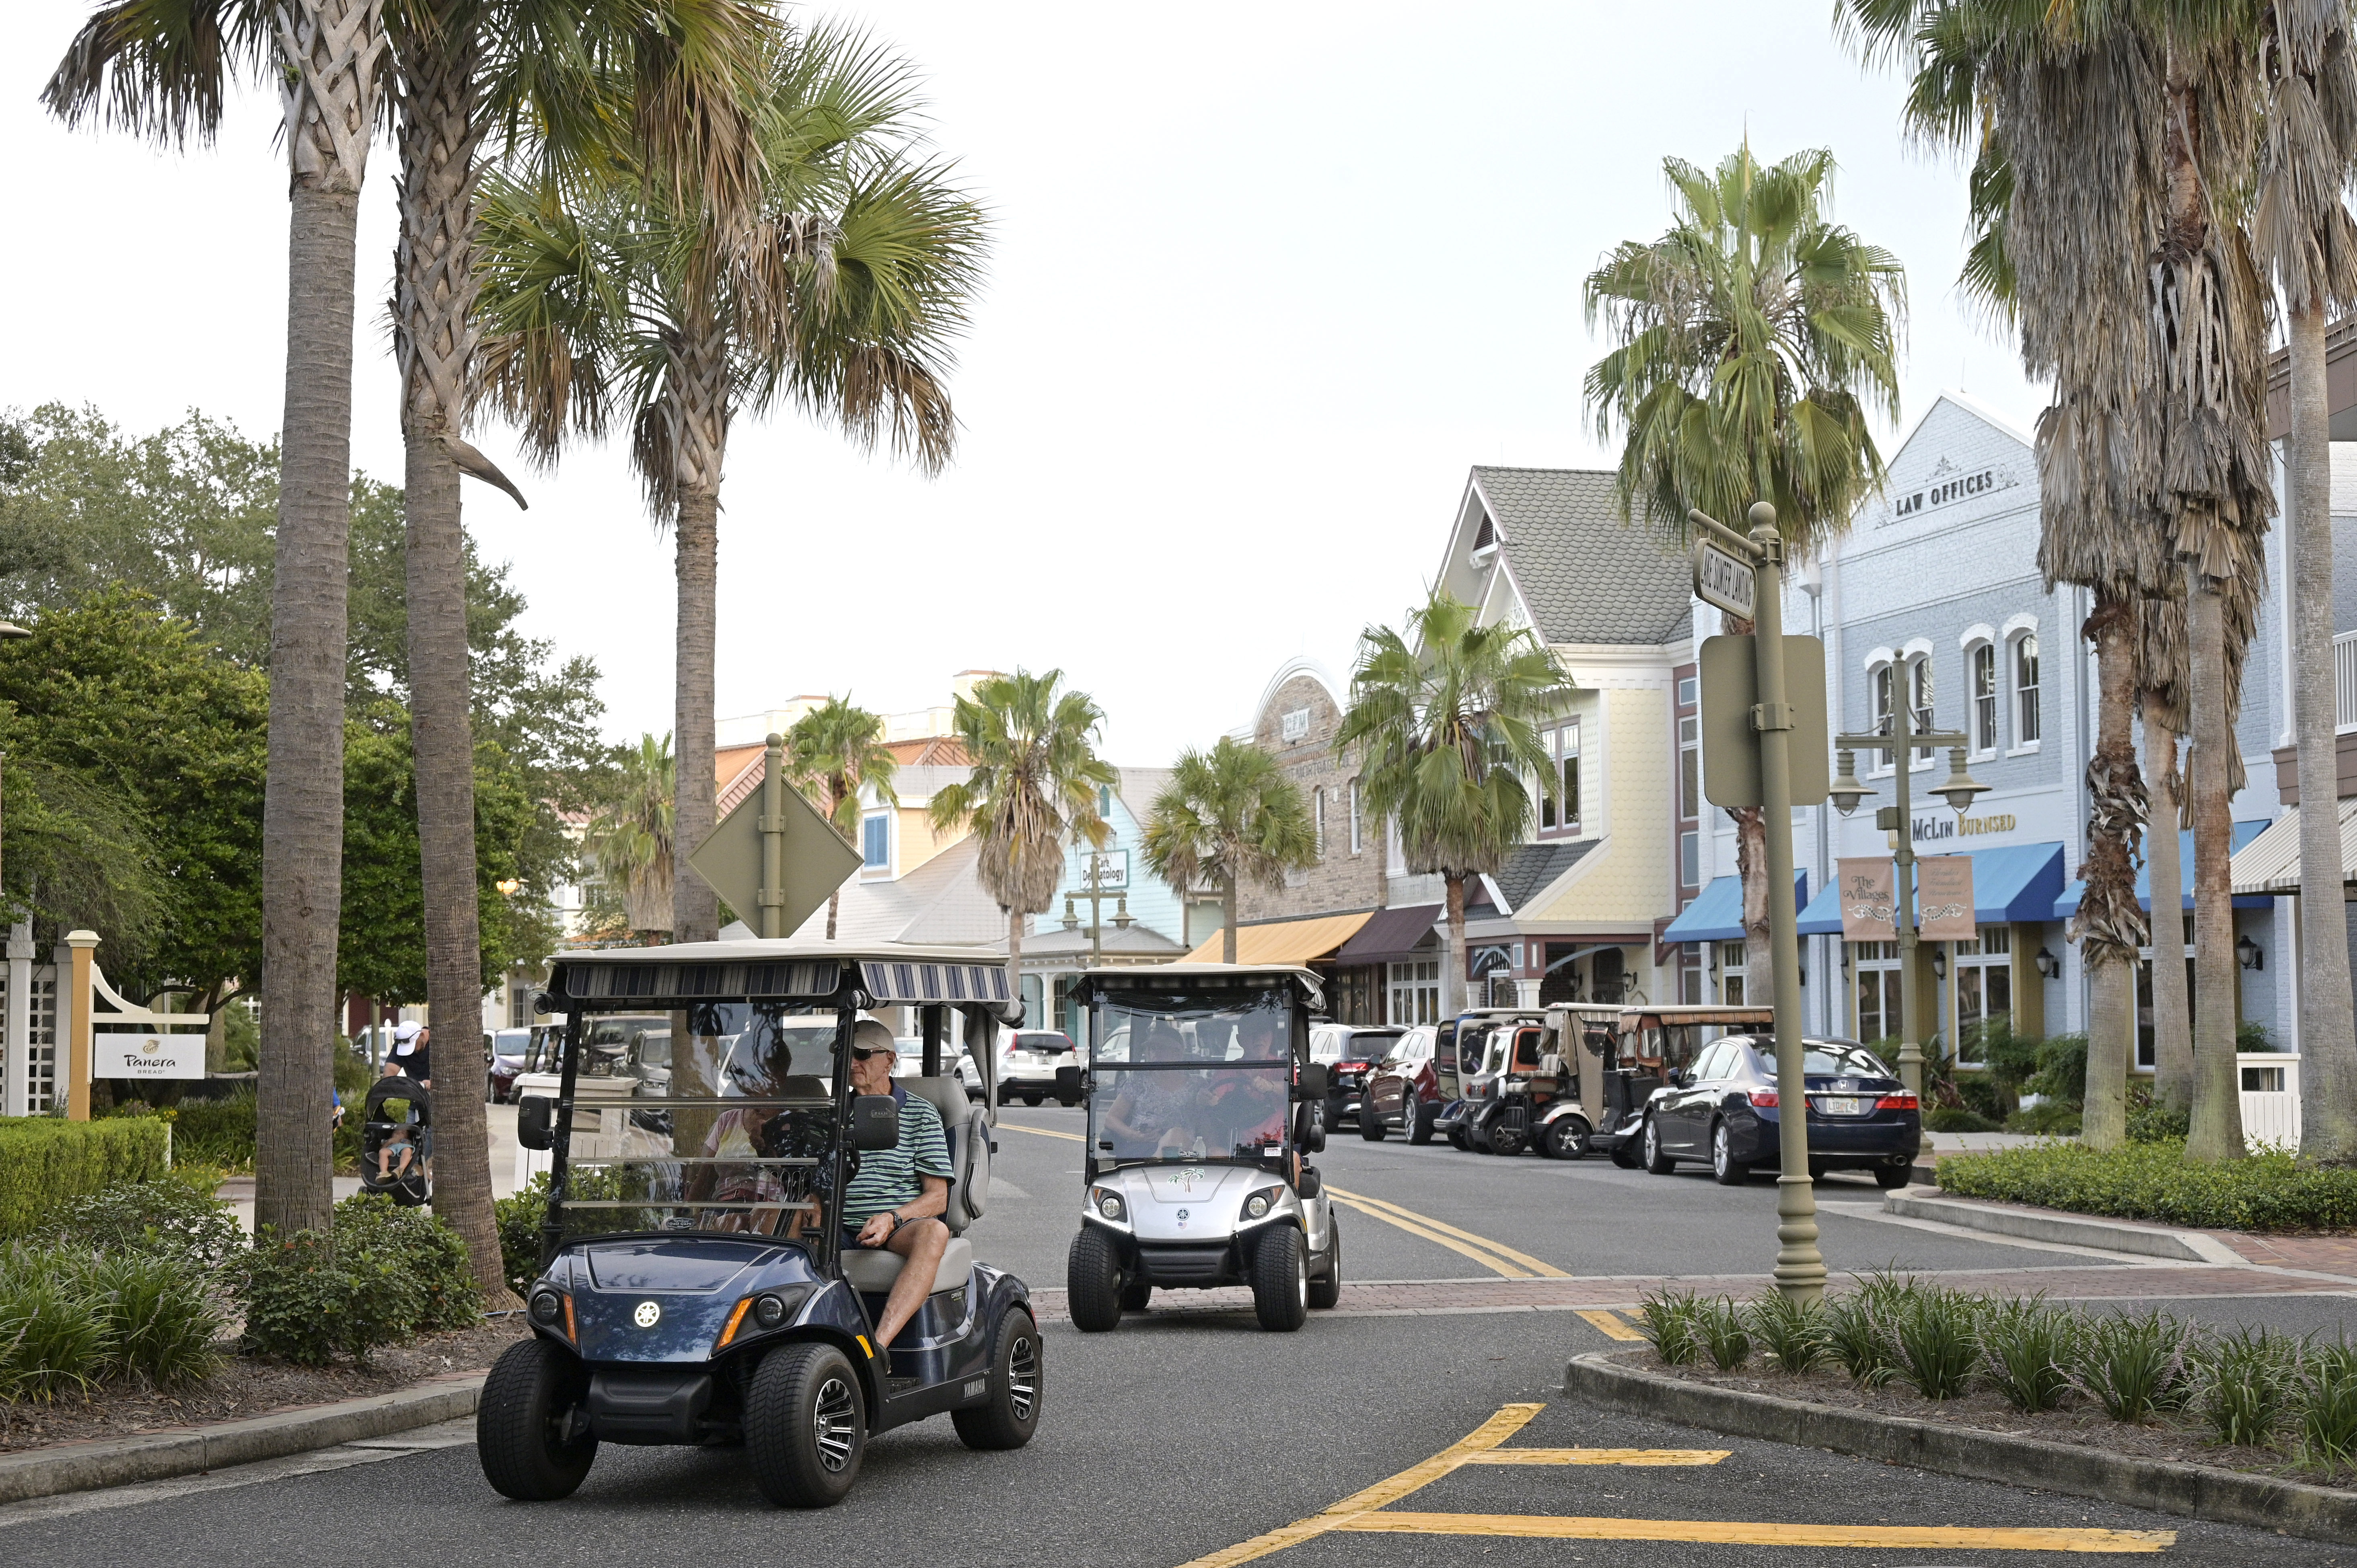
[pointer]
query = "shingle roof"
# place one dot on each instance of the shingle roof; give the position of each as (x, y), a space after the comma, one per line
(1588, 576)
(1533, 867)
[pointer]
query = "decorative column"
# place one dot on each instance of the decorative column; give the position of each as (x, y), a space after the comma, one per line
(16, 1028)
(76, 993)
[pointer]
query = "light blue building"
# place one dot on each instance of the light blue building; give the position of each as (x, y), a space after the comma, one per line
(1135, 918)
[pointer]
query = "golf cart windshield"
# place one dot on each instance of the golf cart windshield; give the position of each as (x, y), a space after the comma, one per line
(748, 1145)
(1193, 1076)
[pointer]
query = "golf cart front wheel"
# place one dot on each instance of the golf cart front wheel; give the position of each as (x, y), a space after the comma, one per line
(1459, 1140)
(1092, 1282)
(1565, 1138)
(805, 1425)
(1280, 1280)
(1328, 1292)
(1012, 1414)
(529, 1435)
(1136, 1296)
(1506, 1140)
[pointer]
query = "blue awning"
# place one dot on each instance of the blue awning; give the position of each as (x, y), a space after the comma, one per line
(2010, 882)
(2068, 904)
(1717, 913)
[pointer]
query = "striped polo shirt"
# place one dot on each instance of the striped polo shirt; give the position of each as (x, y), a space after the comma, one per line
(888, 1177)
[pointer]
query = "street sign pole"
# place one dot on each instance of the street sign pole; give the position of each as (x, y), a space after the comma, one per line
(772, 826)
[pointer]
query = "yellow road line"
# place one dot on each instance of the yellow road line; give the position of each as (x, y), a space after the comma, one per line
(1931, 1537)
(1497, 1266)
(1599, 1456)
(1042, 1132)
(1535, 1266)
(1605, 1318)
(1509, 1419)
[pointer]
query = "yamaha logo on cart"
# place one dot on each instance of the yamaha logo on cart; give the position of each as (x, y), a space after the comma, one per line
(647, 1315)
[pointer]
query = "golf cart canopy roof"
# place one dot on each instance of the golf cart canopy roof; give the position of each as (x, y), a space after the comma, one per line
(1180, 976)
(1635, 1019)
(682, 974)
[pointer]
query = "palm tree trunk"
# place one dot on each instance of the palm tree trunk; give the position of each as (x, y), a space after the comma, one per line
(2327, 1026)
(2172, 1017)
(435, 340)
(1014, 967)
(1228, 918)
(695, 908)
(1752, 864)
(833, 899)
(1452, 973)
(2110, 927)
(331, 49)
(2217, 1128)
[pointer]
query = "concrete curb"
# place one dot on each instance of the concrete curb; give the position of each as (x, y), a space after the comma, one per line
(2193, 1491)
(122, 1461)
(2067, 1229)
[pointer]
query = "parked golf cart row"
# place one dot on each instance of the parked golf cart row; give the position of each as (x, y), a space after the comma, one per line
(1649, 1086)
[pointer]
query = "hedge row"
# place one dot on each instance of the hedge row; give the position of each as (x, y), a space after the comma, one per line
(47, 1163)
(2155, 1181)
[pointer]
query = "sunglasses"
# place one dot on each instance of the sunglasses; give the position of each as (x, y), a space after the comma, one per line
(861, 1053)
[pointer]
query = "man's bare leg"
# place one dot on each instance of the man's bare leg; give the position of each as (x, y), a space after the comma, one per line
(922, 1242)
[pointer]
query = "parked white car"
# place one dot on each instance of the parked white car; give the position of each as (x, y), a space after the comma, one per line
(909, 1061)
(1027, 1061)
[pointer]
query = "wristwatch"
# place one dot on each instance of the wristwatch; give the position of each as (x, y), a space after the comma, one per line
(897, 1220)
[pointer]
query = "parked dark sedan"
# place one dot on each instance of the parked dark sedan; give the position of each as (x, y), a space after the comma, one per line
(1725, 1111)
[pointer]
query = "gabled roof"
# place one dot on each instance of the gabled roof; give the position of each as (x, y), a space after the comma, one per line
(1533, 868)
(1587, 576)
(941, 902)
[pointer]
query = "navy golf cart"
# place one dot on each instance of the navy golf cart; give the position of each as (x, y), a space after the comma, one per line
(696, 1289)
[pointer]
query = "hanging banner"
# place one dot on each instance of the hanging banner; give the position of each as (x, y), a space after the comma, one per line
(1944, 885)
(1866, 902)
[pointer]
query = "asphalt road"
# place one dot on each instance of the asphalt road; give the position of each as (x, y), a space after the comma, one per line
(1176, 1438)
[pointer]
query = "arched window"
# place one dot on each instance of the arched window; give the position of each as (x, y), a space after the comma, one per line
(1879, 685)
(1919, 673)
(2024, 689)
(1980, 660)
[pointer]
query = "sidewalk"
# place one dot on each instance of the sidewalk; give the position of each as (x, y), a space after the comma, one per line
(499, 1119)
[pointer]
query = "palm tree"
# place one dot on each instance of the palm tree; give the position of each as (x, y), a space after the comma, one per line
(160, 67)
(630, 839)
(832, 752)
(1034, 785)
(2302, 231)
(614, 298)
(1442, 719)
(1229, 816)
(2161, 677)
(1753, 339)
(538, 79)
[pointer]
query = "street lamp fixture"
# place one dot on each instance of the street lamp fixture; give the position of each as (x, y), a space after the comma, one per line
(1961, 787)
(1847, 791)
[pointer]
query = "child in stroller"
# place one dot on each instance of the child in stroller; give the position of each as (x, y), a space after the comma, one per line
(396, 1141)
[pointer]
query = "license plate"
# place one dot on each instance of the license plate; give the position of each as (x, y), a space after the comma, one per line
(1838, 1105)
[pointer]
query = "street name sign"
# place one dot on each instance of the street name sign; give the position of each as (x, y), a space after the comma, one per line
(1723, 580)
(1730, 744)
(817, 859)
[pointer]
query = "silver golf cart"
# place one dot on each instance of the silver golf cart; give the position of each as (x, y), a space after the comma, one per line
(695, 1287)
(1201, 1101)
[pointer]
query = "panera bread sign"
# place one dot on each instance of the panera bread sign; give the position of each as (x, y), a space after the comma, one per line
(1947, 488)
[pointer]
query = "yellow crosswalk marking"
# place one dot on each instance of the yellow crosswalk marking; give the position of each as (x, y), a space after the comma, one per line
(1931, 1537)
(1611, 1323)
(1495, 1265)
(1599, 1456)
(1535, 1265)
(1042, 1132)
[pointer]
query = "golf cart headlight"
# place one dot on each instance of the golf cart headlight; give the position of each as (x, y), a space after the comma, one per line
(546, 1308)
(1259, 1204)
(768, 1311)
(1108, 1205)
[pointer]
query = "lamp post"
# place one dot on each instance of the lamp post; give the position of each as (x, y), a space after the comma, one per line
(1958, 791)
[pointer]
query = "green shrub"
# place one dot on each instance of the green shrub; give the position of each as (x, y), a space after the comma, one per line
(1854, 1336)
(1669, 1322)
(1957, 1119)
(47, 1161)
(162, 1218)
(161, 1315)
(1719, 1326)
(2062, 1070)
(2250, 1035)
(1934, 1333)
(2048, 1119)
(2151, 1122)
(1792, 1333)
(2243, 1384)
(2266, 1191)
(519, 1219)
(216, 1132)
(381, 1275)
(2026, 1346)
(2135, 1366)
(1986, 1098)
(2328, 1406)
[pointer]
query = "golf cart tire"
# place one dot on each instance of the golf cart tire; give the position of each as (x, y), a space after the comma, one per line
(1280, 1283)
(1506, 1141)
(1417, 1125)
(1565, 1138)
(1459, 1141)
(1371, 1124)
(1013, 1413)
(1328, 1292)
(531, 1388)
(1625, 1155)
(1136, 1296)
(782, 1411)
(1092, 1282)
(1650, 1141)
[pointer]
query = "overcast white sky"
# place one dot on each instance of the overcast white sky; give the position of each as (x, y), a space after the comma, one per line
(1268, 278)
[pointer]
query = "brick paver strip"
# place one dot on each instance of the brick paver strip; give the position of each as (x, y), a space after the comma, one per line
(2093, 1283)
(2328, 1254)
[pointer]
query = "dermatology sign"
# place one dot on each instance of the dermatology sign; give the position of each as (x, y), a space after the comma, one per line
(146, 1056)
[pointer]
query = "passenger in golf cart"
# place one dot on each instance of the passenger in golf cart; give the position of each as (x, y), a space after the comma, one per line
(1194, 1175)
(732, 1279)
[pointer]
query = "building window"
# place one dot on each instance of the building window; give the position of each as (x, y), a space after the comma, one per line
(1104, 801)
(1559, 812)
(1358, 824)
(2024, 689)
(1689, 686)
(1732, 971)
(1879, 678)
(1919, 673)
(1414, 991)
(1982, 659)
(1689, 768)
(1318, 819)
(875, 842)
(1690, 859)
(1983, 971)
(1874, 973)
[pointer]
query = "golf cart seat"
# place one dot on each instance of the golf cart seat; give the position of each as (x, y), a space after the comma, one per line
(875, 1272)
(968, 1127)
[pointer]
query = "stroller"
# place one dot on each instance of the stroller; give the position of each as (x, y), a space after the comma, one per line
(397, 1142)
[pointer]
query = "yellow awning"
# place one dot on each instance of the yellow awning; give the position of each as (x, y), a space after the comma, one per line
(1283, 941)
